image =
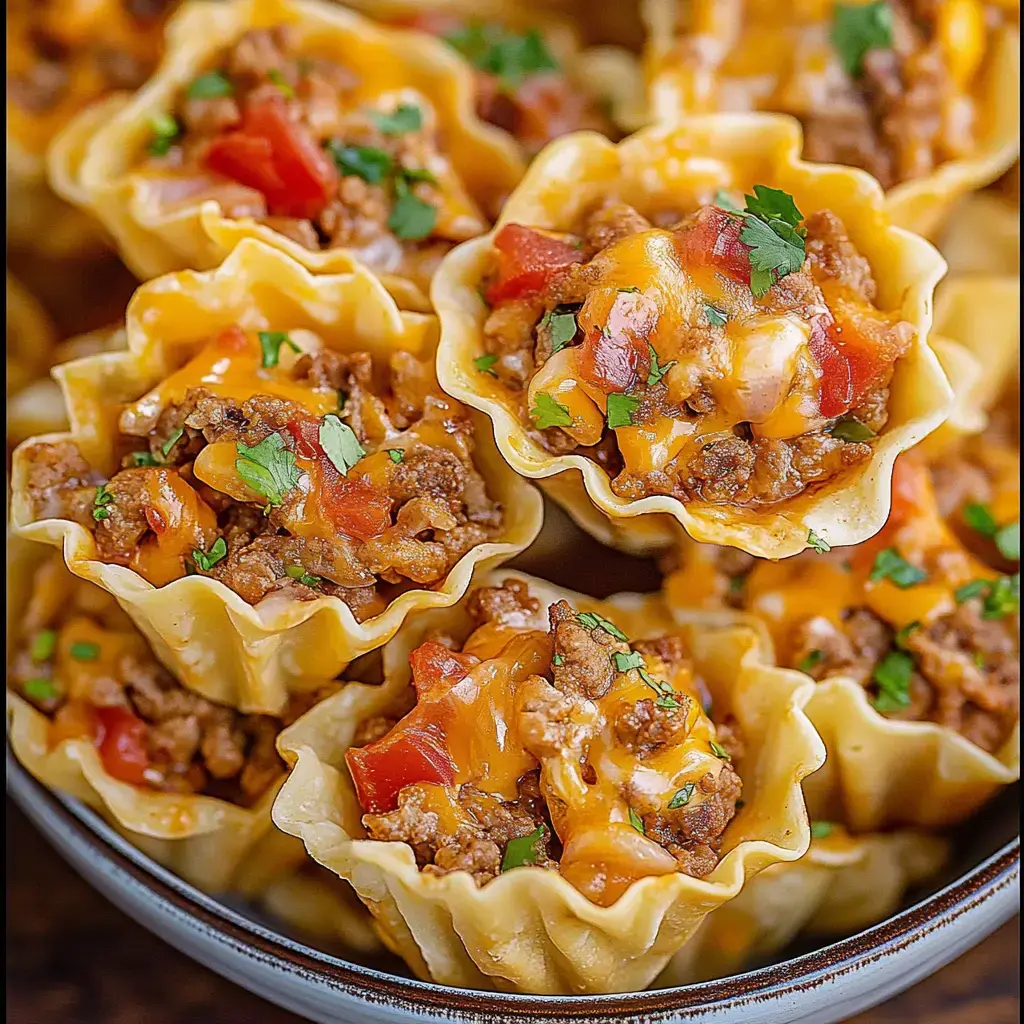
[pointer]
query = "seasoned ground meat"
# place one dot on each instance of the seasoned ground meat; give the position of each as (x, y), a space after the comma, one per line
(644, 727)
(582, 664)
(507, 603)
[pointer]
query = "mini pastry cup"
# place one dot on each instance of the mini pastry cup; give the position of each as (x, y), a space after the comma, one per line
(204, 840)
(920, 205)
(214, 642)
(30, 337)
(843, 884)
(983, 236)
(530, 930)
(93, 163)
(681, 167)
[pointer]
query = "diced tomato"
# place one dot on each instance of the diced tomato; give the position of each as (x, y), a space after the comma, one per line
(306, 434)
(836, 388)
(278, 158)
(121, 739)
(712, 239)
(355, 506)
(616, 324)
(527, 260)
(405, 756)
(156, 522)
(546, 106)
(234, 340)
(436, 668)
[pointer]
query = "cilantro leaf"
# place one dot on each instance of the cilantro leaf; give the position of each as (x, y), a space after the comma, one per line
(404, 118)
(903, 635)
(560, 323)
(775, 251)
(594, 621)
(485, 363)
(890, 564)
(851, 429)
(411, 217)
(715, 316)
(817, 543)
(83, 650)
(892, 677)
(657, 371)
(40, 689)
(169, 444)
(821, 829)
(271, 342)
(206, 560)
(145, 459)
(681, 797)
(1003, 598)
(976, 588)
(811, 660)
(210, 86)
(523, 851)
(44, 643)
(546, 412)
(100, 502)
(340, 443)
(858, 28)
(166, 130)
(283, 85)
(557, 659)
(637, 822)
(509, 56)
(396, 455)
(296, 572)
(620, 409)
(980, 519)
(624, 662)
(724, 201)
(268, 468)
(719, 751)
(773, 204)
(1007, 540)
(367, 162)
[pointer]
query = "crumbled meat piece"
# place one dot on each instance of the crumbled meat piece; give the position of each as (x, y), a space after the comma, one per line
(398, 552)
(611, 222)
(585, 668)
(60, 483)
(643, 727)
(480, 858)
(833, 255)
(434, 473)
(511, 602)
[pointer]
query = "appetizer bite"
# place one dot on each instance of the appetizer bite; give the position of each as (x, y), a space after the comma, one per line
(30, 337)
(914, 644)
(736, 341)
(269, 479)
(549, 792)
(92, 713)
(301, 124)
(923, 95)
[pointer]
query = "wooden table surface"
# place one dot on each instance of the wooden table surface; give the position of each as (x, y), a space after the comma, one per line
(72, 958)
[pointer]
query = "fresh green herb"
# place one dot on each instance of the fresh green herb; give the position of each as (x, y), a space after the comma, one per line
(560, 324)
(40, 689)
(816, 543)
(483, 297)
(851, 429)
(637, 822)
(979, 659)
(100, 502)
(546, 412)
(1003, 598)
(821, 829)
(557, 659)
(715, 316)
(508, 56)
(625, 662)
(411, 175)
(681, 797)
(524, 850)
(859, 28)
(44, 643)
(890, 564)
(903, 635)
(892, 676)
(657, 371)
(411, 218)
(84, 651)
(980, 519)
(166, 130)
(976, 588)
(737, 583)
(719, 751)
(396, 455)
(340, 443)
(620, 410)
(1007, 540)
(284, 87)
(206, 560)
(771, 204)
(172, 441)
(296, 572)
(811, 660)
(268, 468)
(405, 118)
(210, 86)
(367, 162)
(591, 620)
(667, 697)
(631, 290)
(271, 342)
(145, 459)
(485, 364)
(724, 201)
(776, 249)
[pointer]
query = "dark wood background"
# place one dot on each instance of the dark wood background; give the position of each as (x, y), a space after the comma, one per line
(72, 958)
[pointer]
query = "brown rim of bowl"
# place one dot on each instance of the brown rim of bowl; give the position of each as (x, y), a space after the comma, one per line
(809, 970)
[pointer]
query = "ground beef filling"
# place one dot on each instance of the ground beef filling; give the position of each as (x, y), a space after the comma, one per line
(369, 184)
(581, 670)
(438, 501)
(735, 468)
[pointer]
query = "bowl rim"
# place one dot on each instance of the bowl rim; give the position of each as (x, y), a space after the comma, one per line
(370, 985)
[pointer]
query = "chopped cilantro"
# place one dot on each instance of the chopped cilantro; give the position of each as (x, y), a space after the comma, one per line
(1007, 540)
(44, 643)
(771, 204)
(283, 85)
(620, 410)
(851, 429)
(405, 118)
(523, 851)
(591, 620)
(715, 316)
(271, 342)
(171, 441)
(657, 370)
(817, 543)
(485, 364)
(719, 751)
(83, 650)
(40, 689)
(631, 290)
(166, 130)
(296, 572)
(557, 659)
(509, 56)
(396, 455)
(268, 468)
(145, 459)
(724, 201)
(737, 583)
(681, 797)
(821, 829)
(210, 86)
(890, 564)
(1003, 598)
(100, 502)
(367, 162)
(410, 175)
(411, 218)
(811, 660)
(776, 249)
(900, 639)
(667, 697)
(892, 676)
(546, 412)
(340, 443)
(859, 28)
(206, 560)
(980, 519)
(976, 588)
(560, 324)
(637, 822)
(625, 662)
